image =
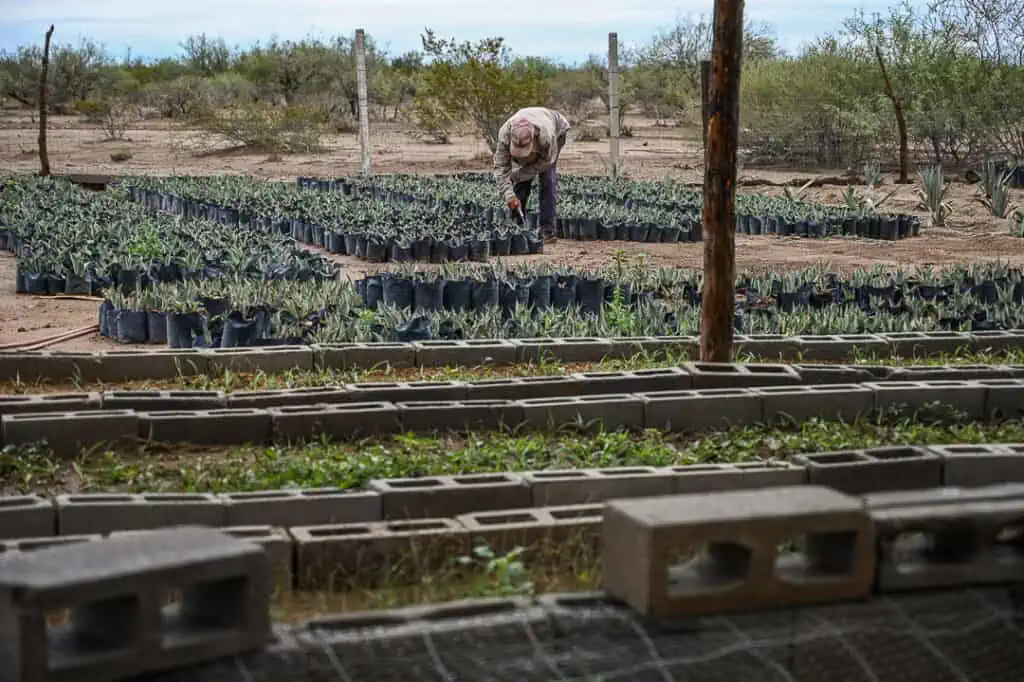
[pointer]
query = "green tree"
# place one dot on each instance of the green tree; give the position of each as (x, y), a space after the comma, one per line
(475, 82)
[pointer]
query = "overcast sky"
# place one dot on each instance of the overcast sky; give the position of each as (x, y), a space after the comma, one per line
(567, 30)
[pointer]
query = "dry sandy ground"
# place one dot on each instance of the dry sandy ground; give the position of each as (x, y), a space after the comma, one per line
(156, 149)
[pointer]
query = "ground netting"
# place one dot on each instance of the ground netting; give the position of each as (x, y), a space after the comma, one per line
(966, 635)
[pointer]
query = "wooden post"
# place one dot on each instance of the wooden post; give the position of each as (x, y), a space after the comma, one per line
(613, 105)
(364, 108)
(705, 83)
(718, 296)
(44, 72)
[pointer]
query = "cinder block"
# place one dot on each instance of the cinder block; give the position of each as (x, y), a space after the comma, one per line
(947, 545)
(639, 381)
(460, 415)
(859, 472)
(522, 388)
(972, 465)
(115, 589)
(27, 516)
(840, 402)
(447, 496)
(313, 395)
(995, 341)
(626, 347)
(929, 497)
(945, 373)
(543, 533)
(278, 546)
(184, 509)
(19, 365)
(69, 366)
(339, 421)
(398, 392)
(30, 544)
(468, 353)
(1004, 398)
(680, 346)
(879, 372)
(592, 412)
(812, 374)
(49, 402)
(153, 365)
(395, 552)
(163, 401)
(588, 486)
(841, 347)
(68, 433)
(102, 513)
(568, 350)
(365, 355)
(207, 427)
(704, 410)
(270, 360)
(771, 347)
(927, 344)
(712, 375)
(700, 478)
(965, 396)
(714, 553)
(310, 507)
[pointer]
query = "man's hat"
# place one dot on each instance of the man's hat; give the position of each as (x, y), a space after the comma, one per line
(522, 138)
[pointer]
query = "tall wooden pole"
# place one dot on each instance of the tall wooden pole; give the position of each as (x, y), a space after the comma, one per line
(613, 104)
(364, 106)
(44, 73)
(705, 83)
(718, 296)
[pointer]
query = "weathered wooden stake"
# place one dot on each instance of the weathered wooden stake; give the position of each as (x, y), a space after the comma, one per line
(613, 104)
(44, 73)
(705, 83)
(718, 305)
(364, 107)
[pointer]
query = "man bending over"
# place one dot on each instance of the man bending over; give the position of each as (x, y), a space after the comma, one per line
(528, 146)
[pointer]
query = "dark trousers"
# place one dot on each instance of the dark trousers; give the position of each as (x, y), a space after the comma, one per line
(548, 181)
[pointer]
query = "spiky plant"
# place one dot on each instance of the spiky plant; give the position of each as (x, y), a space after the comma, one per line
(932, 195)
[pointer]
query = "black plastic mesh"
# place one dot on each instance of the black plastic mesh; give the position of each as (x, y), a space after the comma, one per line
(969, 635)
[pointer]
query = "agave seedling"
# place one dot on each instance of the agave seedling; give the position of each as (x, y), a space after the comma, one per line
(932, 195)
(997, 196)
(1017, 224)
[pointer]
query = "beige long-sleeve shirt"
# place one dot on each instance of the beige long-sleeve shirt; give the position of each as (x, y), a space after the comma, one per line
(551, 127)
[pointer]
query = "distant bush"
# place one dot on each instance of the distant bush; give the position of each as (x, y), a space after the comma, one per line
(262, 127)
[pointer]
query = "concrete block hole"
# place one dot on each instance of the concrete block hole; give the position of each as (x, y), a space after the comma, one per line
(915, 549)
(715, 567)
(104, 628)
(817, 556)
(204, 609)
(505, 519)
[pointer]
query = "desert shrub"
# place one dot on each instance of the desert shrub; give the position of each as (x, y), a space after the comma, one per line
(799, 111)
(113, 115)
(589, 133)
(433, 121)
(261, 127)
